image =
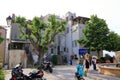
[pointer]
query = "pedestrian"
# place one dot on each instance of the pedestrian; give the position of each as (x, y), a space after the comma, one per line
(94, 63)
(80, 69)
(71, 59)
(86, 63)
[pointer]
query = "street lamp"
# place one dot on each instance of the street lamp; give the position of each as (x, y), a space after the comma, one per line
(9, 21)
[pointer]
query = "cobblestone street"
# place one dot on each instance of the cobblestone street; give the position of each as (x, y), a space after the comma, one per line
(67, 73)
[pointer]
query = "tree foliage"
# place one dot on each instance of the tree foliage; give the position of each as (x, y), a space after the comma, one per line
(107, 56)
(113, 42)
(41, 34)
(95, 34)
(1, 39)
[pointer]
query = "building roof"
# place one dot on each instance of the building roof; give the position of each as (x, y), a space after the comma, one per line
(81, 18)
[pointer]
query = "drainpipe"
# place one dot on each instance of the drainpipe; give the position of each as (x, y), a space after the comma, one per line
(71, 40)
(5, 48)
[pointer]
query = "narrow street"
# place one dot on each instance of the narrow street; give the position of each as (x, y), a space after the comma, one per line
(67, 73)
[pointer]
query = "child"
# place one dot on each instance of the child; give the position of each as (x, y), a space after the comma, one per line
(80, 69)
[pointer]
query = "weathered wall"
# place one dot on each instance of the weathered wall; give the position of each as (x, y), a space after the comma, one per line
(17, 56)
(117, 56)
(2, 45)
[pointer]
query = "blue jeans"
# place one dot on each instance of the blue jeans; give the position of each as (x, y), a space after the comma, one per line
(94, 65)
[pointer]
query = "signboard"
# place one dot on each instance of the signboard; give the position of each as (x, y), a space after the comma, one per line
(83, 51)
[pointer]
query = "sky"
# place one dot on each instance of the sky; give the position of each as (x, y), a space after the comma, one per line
(106, 9)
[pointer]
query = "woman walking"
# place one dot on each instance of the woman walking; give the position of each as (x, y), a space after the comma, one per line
(86, 63)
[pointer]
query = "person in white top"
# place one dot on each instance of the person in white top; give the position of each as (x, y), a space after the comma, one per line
(94, 63)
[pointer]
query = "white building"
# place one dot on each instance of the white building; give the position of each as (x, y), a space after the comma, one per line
(66, 43)
(73, 33)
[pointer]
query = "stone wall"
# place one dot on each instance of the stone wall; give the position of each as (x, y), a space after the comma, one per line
(16, 57)
(117, 56)
(2, 45)
(109, 69)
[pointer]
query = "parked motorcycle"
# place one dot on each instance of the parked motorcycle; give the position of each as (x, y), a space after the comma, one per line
(36, 75)
(17, 74)
(46, 66)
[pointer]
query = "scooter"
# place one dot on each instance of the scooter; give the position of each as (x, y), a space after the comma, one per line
(78, 77)
(46, 66)
(17, 74)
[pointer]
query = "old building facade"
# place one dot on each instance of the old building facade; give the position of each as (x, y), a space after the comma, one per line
(66, 44)
(2, 45)
(15, 52)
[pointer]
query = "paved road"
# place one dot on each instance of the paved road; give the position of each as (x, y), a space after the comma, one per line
(67, 73)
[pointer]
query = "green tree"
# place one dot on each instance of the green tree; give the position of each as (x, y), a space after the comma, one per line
(95, 34)
(113, 42)
(41, 34)
(107, 56)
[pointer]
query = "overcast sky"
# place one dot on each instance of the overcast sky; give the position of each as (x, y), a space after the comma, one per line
(106, 9)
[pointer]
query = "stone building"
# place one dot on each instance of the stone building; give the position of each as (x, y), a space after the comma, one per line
(66, 44)
(15, 52)
(2, 45)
